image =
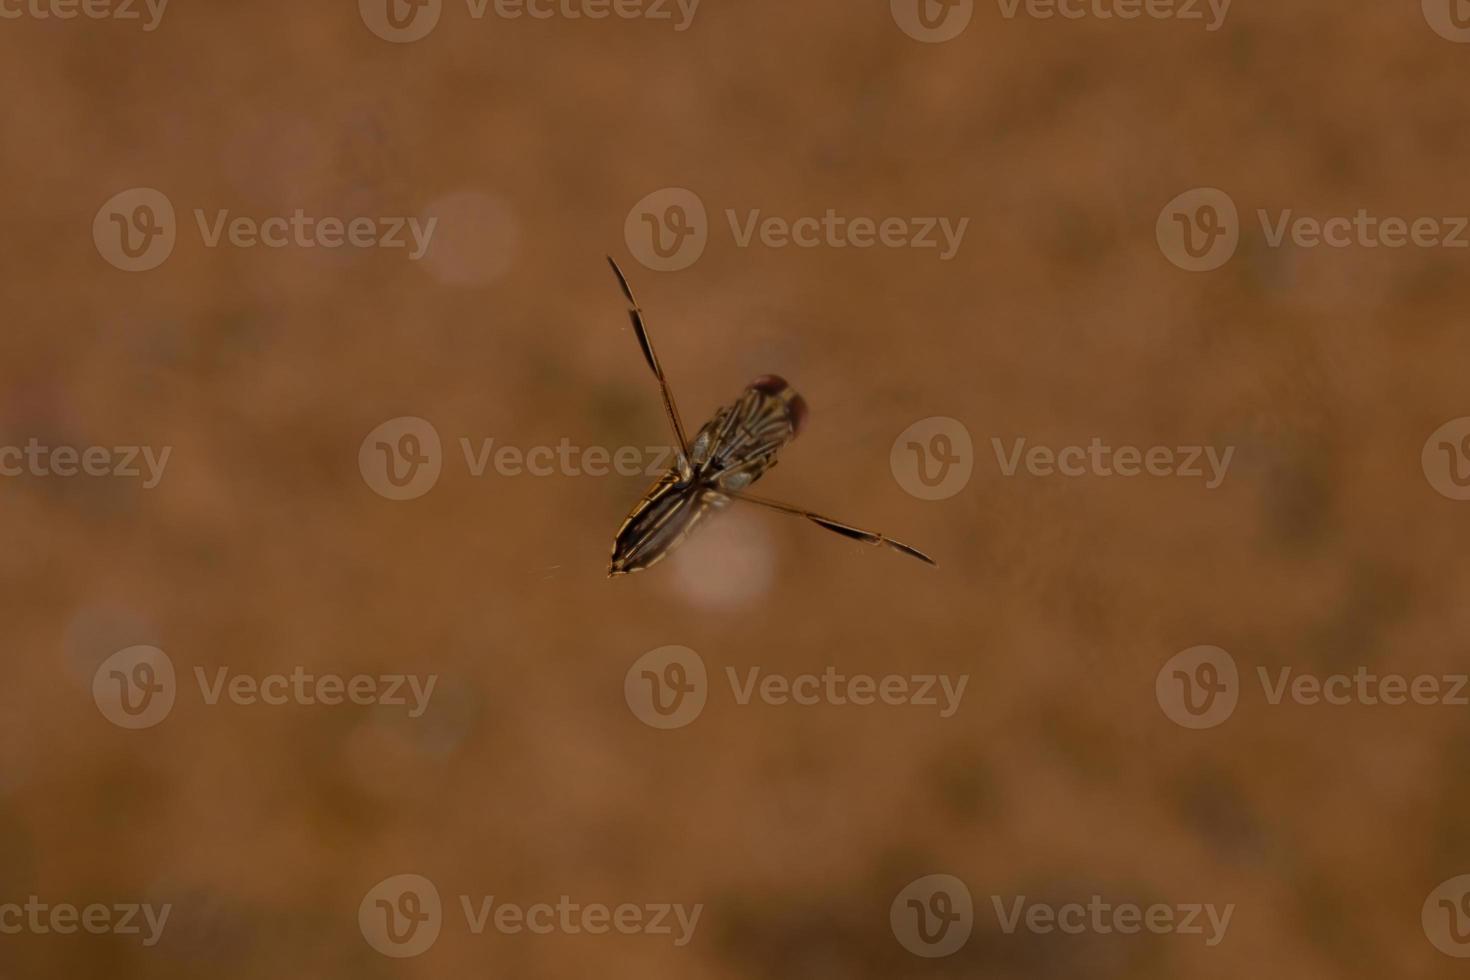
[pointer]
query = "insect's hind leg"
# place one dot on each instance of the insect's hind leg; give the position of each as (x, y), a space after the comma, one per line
(836, 527)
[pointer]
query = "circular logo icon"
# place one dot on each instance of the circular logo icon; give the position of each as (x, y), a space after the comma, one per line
(1450, 19)
(1446, 917)
(400, 21)
(401, 916)
(1198, 687)
(135, 688)
(1199, 230)
(932, 21)
(1446, 459)
(933, 458)
(135, 230)
(933, 916)
(401, 459)
(666, 688)
(667, 230)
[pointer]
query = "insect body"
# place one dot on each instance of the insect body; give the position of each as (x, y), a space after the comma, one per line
(728, 454)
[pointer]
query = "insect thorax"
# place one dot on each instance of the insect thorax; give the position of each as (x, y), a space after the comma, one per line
(741, 442)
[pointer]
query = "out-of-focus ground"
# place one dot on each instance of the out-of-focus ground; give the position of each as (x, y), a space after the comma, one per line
(263, 548)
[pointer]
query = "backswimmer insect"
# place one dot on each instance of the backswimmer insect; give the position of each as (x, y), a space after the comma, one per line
(730, 453)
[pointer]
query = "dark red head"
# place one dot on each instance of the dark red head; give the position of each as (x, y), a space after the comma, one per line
(776, 386)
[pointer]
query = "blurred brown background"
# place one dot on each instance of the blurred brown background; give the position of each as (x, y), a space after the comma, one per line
(1060, 319)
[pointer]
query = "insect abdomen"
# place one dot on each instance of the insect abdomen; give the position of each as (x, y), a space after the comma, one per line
(658, 523)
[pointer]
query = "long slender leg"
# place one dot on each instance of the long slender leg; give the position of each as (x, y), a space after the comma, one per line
(846, 530)
(636, 313)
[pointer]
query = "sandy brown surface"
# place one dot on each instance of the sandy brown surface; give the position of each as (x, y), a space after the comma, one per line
(1060, 319)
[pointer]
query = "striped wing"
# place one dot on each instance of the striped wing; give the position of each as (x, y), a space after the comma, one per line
(740, 443)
